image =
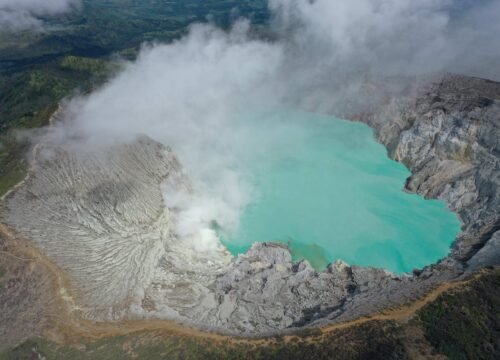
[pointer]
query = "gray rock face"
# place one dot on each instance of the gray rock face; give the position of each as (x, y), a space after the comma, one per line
(264, 290)
(489, 255)
(102, 218)
(447, 132)
(449, 137)
(265, 284)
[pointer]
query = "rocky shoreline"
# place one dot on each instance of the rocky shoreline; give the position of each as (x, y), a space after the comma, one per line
(448, 134)
(104, 222)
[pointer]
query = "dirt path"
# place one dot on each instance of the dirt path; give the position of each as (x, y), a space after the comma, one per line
(169, 328)
(69, 327)
(34, 151)
(401, 314)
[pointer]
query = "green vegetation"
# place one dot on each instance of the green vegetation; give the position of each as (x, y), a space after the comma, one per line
(12, 161)
(96, 67)
(465, 324)
(38, 69)
(369, 341)
(103, 27)
(29, 98)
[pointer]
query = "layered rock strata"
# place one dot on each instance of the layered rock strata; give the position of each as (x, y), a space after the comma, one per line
(101, 217)
(449, 137)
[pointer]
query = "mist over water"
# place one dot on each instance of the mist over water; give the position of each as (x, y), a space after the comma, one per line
(195, 95)
(328, 190)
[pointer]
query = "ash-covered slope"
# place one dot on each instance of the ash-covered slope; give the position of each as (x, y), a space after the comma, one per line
(101, 217)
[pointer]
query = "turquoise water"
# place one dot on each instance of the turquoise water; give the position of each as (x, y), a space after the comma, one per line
(328, 189)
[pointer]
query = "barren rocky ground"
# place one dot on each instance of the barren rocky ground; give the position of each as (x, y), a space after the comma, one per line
(87, 239)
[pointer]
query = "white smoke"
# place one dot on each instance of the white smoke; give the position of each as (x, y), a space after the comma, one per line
(17, 15)
(194, 94)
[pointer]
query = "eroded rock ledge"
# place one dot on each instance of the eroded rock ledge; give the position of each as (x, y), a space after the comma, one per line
(449, 137)
(103, 220)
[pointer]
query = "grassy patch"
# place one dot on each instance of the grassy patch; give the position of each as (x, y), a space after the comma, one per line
(28, 100)
(12, 169)
(369, 341)
(465, 323)
(99, 69)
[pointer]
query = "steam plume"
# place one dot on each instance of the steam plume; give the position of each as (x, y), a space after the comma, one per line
(193, 94)
(16, 15)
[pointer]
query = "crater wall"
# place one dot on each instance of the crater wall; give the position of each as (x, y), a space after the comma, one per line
(102, 219)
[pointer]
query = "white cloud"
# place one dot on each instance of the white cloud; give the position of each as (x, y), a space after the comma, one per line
(192, 94)
(389, 35)
(16, 15)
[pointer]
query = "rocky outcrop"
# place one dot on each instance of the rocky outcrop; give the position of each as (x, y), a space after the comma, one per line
(489, 255)
(448, 135)
(101, 217)
(264, 290)
(447, 132)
